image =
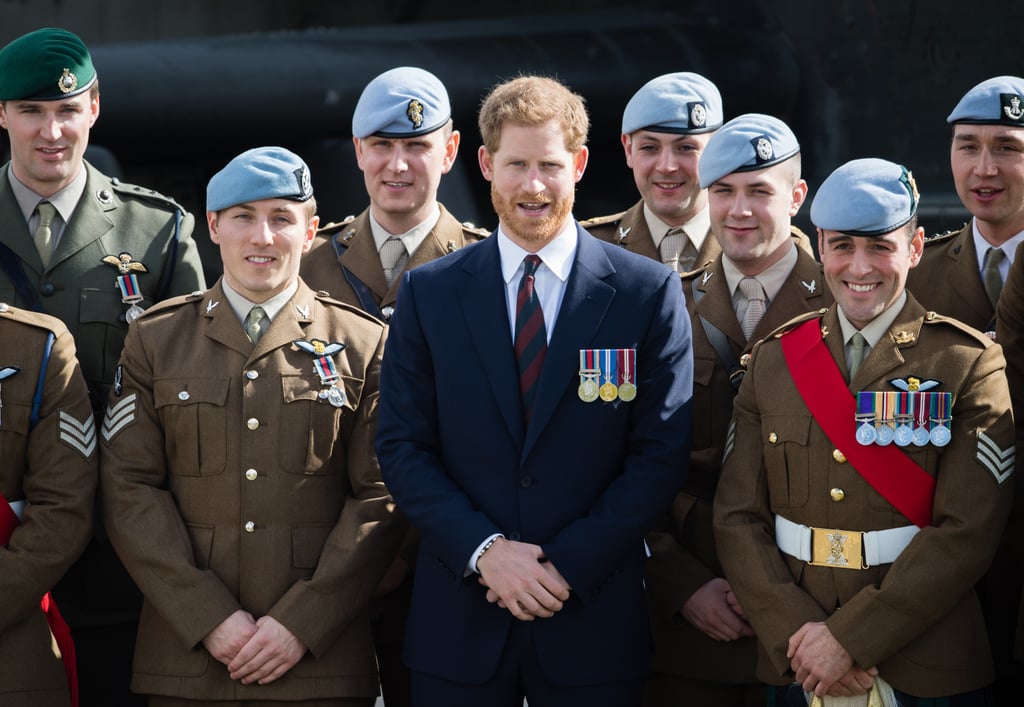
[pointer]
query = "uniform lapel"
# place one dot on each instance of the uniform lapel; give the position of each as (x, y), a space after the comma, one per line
(888, 354)
(445, 237)
(91, 221)
(15, 230)
(716, 304)
(222, 323)
(637, 238)
(587, 298)
(803, 291)
(966, 281)
(486, 318)
(361, 258)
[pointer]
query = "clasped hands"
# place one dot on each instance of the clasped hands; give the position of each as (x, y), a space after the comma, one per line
(255, 650)
(823, 666)
(521, 579)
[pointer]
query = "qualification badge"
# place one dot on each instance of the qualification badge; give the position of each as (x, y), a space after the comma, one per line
(127, 282)
(323, 363)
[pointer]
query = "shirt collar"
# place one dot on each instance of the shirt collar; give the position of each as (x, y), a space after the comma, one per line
(772, 279)
(273, 306)
(64, 201)
(877, 327)
(981, 246)
(411, 238)
(696, 228)
(556, 255)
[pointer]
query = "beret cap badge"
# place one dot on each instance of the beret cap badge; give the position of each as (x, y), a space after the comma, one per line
(698, 115)
(67, 82)
(415, 113)
(1012, 108)
(763, 148)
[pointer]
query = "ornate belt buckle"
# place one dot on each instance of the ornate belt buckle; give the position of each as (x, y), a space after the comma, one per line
(839, 549)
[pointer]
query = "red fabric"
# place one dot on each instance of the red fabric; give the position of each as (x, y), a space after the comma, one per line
(58, 627)
(892, 473)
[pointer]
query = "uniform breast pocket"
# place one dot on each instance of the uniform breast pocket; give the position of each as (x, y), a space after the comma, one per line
(193, 415)
(13, 435)
(311, 422)
(787, 459)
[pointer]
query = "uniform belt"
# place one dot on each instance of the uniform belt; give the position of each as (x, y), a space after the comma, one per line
(18, 507)
(842, 549)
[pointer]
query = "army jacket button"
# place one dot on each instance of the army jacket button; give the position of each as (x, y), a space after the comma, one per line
(837, 494)
(251, 474)
(252, 423)
(838, 456)
(772, 438)
(183, 395)
(250, 527)
(252, 375)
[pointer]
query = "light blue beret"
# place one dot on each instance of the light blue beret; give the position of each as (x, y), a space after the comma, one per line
(402, 102)
(866, 197)
(260, 173)
(997, 101)
(46, 65)
(746, 143)
(681, 103)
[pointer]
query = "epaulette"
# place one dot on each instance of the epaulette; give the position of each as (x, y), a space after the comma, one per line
(690, 274)
(325, 297)
(796, 321)
(173, 303)
(942, 237)
(137, 192)
(333, 227)
(802, 241)
(471, 229)
(31, 318)
(936, 318)
(602, 220)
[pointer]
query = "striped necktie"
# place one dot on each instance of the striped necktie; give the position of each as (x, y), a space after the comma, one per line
(753, 291)
(531, 338)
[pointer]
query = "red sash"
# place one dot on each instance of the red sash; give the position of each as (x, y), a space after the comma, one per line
(58, 627)
(904, 484)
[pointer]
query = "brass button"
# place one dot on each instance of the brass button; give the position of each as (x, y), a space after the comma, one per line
(838, 456)
(772, 438)
(252, 375)
(251, 474)
(252, 423)
(250, 527)
(837, 494)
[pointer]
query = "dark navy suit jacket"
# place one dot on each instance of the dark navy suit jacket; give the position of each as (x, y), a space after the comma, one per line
(585, 481)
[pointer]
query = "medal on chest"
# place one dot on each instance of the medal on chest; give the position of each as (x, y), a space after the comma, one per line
(325, 368)
(127, 282)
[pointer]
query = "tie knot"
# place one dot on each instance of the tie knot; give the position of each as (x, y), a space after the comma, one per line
(254, 323)
(47, 212)
(391, 251)
(530, 264)
(752, 289)
(994, 257)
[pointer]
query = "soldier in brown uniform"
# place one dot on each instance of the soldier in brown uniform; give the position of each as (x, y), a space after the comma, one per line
(856, 510)
(665, 126)
(705, 652)
(405, 143)
(961, 272)
(240, 486)
(47, 484)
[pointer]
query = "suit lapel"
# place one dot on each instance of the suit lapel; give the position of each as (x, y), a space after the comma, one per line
(587, 298)
(485, 311)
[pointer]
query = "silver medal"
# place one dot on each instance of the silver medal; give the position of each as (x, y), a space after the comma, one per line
(133, 313)
(336, 396)
(886, 435)
(866, 434)
(940, 435)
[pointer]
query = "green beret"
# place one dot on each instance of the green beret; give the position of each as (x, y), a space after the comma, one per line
(45, 65)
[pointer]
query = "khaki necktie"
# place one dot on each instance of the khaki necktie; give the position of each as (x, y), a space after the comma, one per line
(993, 280)
(43, 236)
(677, 250)
(754, 292)
(254, 323)
(856, 353)
(393, 257)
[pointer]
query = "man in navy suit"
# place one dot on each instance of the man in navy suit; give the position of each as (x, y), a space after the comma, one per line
(534, 421)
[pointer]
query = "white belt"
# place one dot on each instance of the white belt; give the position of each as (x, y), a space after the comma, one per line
(847, 549)
(18, 507)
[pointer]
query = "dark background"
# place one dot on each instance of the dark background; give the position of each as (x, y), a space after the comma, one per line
(188, 84)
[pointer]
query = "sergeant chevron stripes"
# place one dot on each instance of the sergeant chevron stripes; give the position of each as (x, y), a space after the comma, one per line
(118, 417)
(80, 436)
(992, 457)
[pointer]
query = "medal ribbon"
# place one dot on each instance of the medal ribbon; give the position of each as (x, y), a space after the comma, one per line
(610, 366)
(921, 409)
(325, 368)
(129, 286)
(626, 362)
